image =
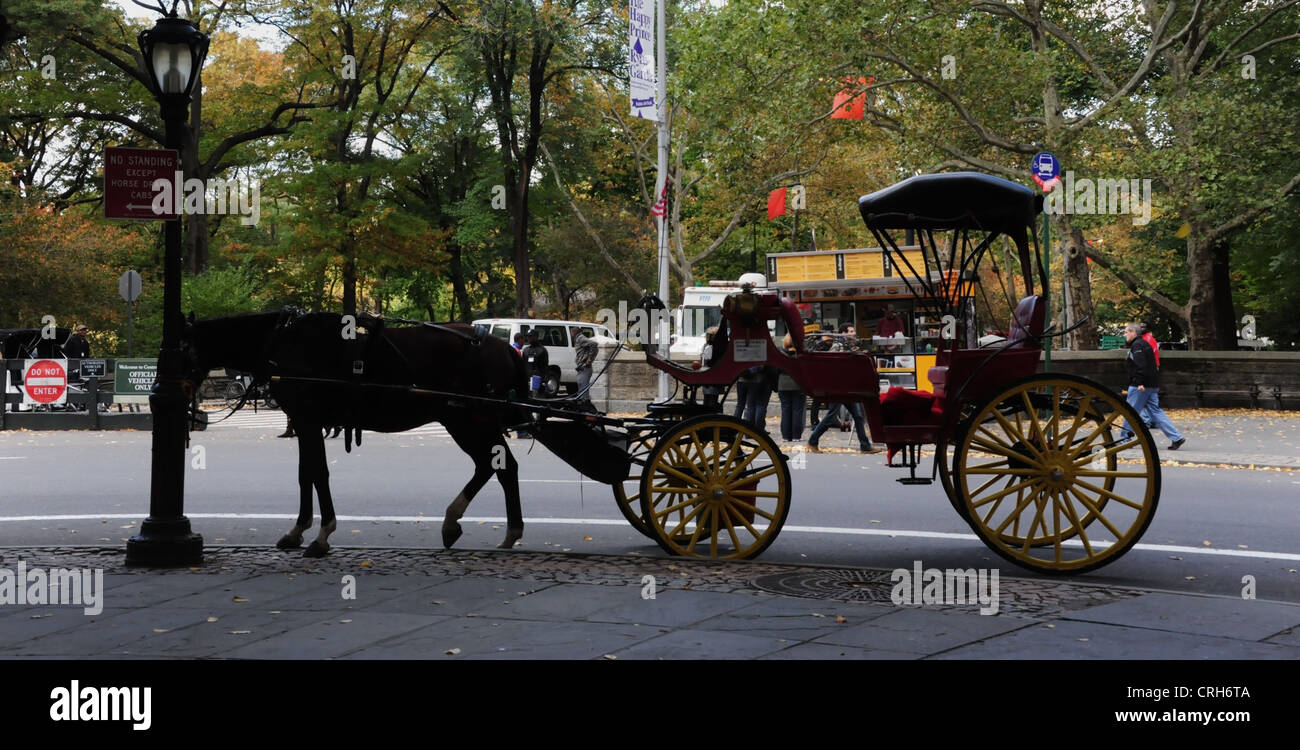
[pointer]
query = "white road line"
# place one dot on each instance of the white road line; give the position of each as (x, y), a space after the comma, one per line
(12, 458)
(910, 534)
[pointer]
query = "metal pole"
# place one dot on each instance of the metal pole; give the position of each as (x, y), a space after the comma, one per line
(661, 102)
(1065, 296)
(1047, 278)
(165, 537)
(130, 329)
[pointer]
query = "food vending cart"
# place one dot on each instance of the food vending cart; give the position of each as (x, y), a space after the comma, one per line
(860, 287)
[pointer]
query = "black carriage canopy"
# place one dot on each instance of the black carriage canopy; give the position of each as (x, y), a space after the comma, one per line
(957, 201)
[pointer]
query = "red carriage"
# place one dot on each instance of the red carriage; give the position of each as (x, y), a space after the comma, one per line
(1034, 462)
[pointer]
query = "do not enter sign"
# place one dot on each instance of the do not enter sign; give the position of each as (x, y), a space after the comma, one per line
(45, 381)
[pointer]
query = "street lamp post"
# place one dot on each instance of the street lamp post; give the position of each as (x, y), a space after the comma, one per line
(173, 52)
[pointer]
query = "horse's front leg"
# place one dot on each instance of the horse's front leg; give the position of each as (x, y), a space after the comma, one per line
(293, 539)
(312, 443)
(451, 530)
(508, 477)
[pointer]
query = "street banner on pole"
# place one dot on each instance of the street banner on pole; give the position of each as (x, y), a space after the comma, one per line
(641, 58)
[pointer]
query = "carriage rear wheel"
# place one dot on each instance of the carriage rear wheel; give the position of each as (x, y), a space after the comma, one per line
(716, 487)
(1037, 474)
(627, 494)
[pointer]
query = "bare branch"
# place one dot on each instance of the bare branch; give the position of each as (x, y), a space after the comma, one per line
(1138, 285)
(586, 225)
(1254, 213)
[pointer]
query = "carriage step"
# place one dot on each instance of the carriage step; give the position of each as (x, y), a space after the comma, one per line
(915, 480)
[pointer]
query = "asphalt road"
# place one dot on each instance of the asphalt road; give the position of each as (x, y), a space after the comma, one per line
(1213, 526)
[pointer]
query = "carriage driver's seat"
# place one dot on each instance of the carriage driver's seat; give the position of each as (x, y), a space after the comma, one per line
(1027, 323)
(1025, 332)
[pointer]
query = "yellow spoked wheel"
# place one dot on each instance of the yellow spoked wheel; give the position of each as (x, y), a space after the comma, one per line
(628, 492)
(715, 487)
(1038, 476)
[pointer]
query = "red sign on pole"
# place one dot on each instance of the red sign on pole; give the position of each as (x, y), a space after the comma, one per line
(129, 174)
(45, 381)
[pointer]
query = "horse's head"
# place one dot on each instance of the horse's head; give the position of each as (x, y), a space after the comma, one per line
(238, 342)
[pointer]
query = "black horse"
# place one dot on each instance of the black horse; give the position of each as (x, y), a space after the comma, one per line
(330, 370)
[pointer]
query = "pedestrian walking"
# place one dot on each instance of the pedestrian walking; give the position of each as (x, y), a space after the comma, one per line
(1155, 349)
(848, 343)
(792, 400)
(1144, 387)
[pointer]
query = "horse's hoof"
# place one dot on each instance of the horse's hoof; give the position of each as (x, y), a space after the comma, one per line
(316, 549)
(289, 541)
(512, 536)
(450, 533)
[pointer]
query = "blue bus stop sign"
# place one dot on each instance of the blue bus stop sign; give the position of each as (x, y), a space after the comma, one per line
(1046, 171)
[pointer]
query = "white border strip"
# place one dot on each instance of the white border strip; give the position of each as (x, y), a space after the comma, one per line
(904, 533)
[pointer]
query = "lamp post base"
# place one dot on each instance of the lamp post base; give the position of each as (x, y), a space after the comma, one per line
(165, 542)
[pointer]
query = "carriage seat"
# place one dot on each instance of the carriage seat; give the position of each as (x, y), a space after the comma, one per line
(1027, 324)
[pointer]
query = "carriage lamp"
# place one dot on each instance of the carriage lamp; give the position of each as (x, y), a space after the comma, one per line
(173, 52)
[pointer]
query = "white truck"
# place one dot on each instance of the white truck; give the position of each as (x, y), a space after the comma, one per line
(700, 310)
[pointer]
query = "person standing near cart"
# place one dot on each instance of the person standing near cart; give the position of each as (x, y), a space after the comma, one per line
(1144, 387)
(536, 363)
(584, 357)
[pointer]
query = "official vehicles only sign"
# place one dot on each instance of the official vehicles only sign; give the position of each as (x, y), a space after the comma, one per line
(45, 381)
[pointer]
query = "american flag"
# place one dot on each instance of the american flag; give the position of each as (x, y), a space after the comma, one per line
(661, 206)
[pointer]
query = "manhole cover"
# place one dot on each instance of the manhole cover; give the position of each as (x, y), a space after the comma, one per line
(839, 585)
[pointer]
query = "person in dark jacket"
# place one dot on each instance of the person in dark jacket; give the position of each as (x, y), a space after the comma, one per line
(1144, 387)
(77, 347)
(536, 363)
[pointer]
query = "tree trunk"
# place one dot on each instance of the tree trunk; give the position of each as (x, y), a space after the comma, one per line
(1201, 334)
(459, 292)
(1225, 317)
(349, 283)
(1083, 338)
(519, 245)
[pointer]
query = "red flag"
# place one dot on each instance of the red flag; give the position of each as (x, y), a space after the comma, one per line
(776, 203)
(851, 104)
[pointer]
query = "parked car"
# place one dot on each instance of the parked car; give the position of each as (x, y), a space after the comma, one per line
(557, 336)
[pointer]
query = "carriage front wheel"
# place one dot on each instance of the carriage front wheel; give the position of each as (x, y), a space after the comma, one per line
(716, 487)
(1044, 478)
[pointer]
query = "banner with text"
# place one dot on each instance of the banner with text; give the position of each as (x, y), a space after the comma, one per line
(641, 58)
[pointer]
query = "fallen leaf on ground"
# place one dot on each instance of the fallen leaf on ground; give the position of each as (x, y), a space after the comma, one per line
(239, 599)
(212, 619)
(452, 651)
(841, 619)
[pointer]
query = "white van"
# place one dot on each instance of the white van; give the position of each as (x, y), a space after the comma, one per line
(557, 336)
